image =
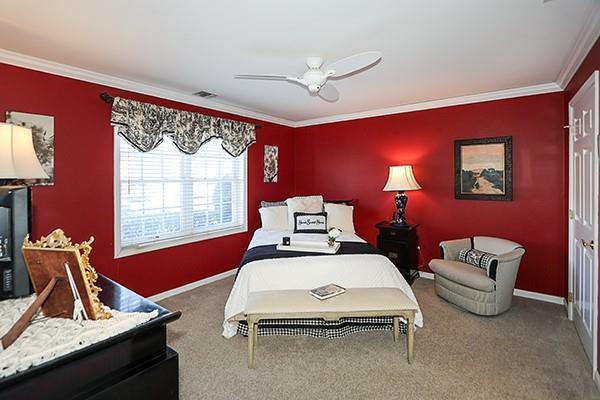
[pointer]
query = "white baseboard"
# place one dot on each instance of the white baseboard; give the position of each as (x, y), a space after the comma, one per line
(539, 296)
(518, 292)
(193, 285)
(426, 275)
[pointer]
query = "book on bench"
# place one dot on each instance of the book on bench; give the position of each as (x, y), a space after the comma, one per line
(327, 291)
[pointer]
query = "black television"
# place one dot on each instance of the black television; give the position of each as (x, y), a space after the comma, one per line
(15, 223)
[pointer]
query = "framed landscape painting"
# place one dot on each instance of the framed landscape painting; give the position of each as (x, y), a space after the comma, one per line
(483, 169)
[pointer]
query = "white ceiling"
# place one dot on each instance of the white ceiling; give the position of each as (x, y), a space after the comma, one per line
(432, 49)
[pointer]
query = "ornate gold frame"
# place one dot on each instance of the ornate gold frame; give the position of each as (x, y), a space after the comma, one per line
(46, 257)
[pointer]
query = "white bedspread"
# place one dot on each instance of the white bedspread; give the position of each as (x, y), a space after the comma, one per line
(350, 271)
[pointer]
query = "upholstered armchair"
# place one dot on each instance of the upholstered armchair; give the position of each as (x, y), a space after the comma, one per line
(480, 291)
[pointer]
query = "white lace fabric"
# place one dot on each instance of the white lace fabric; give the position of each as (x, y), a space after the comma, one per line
(49, 338)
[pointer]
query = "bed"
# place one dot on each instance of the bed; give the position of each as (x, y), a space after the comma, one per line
(357, 264)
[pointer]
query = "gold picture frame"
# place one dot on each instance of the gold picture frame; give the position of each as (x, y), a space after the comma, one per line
(46, 259)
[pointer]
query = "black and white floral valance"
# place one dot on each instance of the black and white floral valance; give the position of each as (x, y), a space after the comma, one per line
(144, 126)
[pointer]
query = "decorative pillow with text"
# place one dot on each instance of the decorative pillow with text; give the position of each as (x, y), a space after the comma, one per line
(310, 222)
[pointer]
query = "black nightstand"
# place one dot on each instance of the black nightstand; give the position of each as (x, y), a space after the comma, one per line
(400, 244)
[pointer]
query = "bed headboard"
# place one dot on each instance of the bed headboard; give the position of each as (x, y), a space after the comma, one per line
(349, 202)
(271, 203)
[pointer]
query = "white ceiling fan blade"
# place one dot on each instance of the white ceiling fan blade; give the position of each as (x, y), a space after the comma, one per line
(353, 63)
(329, 93)
(262, 77)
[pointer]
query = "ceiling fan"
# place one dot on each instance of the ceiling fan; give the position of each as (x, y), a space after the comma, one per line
(316, 79)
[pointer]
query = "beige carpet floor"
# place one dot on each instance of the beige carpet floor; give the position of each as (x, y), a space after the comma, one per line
(530, 352)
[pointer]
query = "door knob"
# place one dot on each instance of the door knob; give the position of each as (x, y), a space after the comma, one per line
(585, 243)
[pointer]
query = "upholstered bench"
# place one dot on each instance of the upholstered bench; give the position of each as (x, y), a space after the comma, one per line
(357, 302)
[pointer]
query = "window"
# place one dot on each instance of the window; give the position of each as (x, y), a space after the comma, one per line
(167, 198)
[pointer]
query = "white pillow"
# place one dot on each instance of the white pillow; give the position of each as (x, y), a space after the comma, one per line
(305, 204)
(274, 218)
(340, 216)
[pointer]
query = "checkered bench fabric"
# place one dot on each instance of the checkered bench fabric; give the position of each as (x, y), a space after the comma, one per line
(320, 328)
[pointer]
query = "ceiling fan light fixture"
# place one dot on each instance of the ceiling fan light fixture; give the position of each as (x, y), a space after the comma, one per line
(315, 78)
(314, 88)
(314, 62)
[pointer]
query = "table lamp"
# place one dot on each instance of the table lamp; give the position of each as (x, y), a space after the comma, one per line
(17, 156)
(17, 162)
(401, 178)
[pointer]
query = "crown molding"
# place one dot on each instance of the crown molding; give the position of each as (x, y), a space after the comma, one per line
(427, 105)
(586, 39)
(39, 64)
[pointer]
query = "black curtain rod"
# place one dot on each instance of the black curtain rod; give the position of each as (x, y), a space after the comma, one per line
(108, 99)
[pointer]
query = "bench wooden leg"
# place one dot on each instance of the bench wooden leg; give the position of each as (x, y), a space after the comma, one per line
(255, 335)
(410, 329)
(396, 328)
(251, 327)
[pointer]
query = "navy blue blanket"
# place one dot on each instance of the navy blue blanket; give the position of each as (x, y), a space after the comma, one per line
(270, 251)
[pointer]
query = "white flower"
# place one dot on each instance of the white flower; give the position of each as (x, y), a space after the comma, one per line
(334, 233)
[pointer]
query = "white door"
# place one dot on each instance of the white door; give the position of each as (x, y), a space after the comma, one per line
(583, 205)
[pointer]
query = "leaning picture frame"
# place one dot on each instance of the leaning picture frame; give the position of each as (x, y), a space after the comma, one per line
(49, 258)
(483, 169)
(64, 283)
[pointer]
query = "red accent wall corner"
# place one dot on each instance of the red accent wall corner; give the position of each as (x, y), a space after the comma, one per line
(350, 160)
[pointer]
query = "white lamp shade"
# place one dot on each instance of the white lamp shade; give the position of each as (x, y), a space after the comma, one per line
(17, 156)
(401, 177)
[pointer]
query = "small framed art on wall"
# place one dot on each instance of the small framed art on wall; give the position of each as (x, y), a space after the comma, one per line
(483, 169)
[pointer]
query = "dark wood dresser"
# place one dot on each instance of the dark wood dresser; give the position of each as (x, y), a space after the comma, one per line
(400, 244)
(136, 364)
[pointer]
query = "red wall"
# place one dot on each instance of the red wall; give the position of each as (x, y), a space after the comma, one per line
(585, 70)
(350, 160)
(341, 160)
(81, 200)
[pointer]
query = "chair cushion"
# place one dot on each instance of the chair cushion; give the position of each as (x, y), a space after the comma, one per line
(465, 274)
(472, 300)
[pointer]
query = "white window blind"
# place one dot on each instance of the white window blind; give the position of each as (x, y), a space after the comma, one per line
(167, 198)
